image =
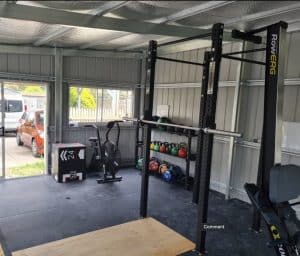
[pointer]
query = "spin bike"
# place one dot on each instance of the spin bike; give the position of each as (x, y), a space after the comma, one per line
(276, 210)
(106, 157)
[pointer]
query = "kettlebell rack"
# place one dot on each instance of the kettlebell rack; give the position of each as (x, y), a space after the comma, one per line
(189, 135)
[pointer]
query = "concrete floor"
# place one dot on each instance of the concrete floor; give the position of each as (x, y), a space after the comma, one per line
(49, 211)
(16, 155)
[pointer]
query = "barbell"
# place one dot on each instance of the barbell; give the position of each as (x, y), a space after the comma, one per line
(205, 130)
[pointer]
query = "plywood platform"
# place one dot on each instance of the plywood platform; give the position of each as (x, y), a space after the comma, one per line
(1, 251)
(145, 237)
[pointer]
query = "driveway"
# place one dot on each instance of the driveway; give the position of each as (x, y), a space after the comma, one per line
(16, 155)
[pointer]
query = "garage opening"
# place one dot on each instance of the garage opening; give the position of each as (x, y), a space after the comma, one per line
(23, 111)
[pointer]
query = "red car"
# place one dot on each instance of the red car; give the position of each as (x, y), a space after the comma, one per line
(30, 132)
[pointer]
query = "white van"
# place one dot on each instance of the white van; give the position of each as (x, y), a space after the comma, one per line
(14, 108)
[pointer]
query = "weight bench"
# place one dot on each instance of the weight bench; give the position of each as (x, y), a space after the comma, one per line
(284, 183)
(280, 217)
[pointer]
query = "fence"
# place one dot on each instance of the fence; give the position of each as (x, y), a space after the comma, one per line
(97, 114)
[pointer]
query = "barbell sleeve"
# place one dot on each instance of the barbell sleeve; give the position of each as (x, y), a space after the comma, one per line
(171, 125)
(221, 132)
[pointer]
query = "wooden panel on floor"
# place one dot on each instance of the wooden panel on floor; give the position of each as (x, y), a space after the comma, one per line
(145, 237)
(1, 251)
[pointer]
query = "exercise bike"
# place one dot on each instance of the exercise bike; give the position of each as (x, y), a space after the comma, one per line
(106, 157)
(281, 219)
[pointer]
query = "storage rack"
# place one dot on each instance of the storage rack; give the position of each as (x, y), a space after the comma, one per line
(189, 135)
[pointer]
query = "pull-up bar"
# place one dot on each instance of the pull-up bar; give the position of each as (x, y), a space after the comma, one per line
(180, 61)
(246, 51)
(244, 60)
(186, 39)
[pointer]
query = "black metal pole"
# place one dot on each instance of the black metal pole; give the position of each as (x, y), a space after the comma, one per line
(188, 161)
(148, 107)
(204, 86)
(209, 121)
(270, 150)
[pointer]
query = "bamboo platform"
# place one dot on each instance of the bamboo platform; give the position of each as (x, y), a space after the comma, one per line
(145, 237)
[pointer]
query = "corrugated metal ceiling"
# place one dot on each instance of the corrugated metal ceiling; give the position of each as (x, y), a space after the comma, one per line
(236, 14)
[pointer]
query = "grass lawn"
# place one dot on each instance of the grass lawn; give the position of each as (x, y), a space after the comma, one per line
(36, 168)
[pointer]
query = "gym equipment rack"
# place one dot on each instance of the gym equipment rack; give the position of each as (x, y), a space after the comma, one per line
(207, 127)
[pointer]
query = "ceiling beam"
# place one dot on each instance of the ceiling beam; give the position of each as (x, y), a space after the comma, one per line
(204, 7)
(259, 15)
(54, 16)
(264, 14)
(50, 51)
(185, 13)
(103, 9)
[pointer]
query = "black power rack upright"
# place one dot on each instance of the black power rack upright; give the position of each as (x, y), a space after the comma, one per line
(211, 68)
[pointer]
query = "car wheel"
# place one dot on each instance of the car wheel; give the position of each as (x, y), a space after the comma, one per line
(34, 149)
(19, 141)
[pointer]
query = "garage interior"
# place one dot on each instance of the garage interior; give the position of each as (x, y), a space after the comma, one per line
(93, 57)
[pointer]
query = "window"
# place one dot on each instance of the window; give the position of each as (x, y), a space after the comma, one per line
(99, 105)
(13, 106)
(40, 118)
(30, 117)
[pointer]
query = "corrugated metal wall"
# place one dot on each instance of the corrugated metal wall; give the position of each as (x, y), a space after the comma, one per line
(25, 64)
(122, 70)
(184, 108)
(81, 69)
(87, 71)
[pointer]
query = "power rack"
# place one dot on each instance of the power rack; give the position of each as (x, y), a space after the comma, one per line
(207, 127)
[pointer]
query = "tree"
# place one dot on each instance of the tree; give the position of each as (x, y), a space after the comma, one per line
(32, 89)
(73, 97)
(85, 99)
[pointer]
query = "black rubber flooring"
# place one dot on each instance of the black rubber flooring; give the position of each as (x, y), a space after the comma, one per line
(38, 210)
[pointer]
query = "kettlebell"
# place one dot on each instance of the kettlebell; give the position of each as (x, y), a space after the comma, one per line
(162, 120)
(152, 145)
(156, 146)
(162, 148)
(167, 147)
(182, 152)
(174, 150)
(139, 164)
(163, 168)
(167, 176)
(154, 165)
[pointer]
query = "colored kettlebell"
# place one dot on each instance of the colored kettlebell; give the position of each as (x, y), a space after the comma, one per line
(156, 146)
(167, 176)
(139, 164)
(162, 120)
(174, 150)
(152, 145)
(162, 148)
(167, 147)
(153, 165)
(163, 168)
(182, 152)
